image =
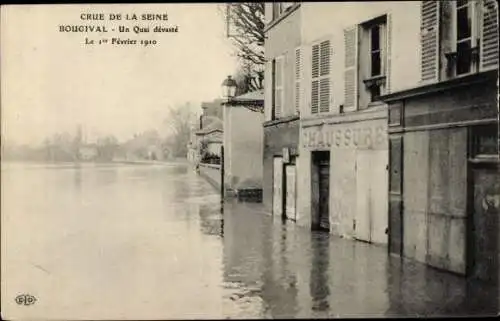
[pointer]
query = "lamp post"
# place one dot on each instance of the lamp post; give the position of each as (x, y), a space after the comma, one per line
(229, 88)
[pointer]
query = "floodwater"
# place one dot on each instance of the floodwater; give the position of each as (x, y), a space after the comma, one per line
(150, 242)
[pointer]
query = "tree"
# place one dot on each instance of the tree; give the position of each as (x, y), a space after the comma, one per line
(179, 121)
(245, 23)
(106, 147)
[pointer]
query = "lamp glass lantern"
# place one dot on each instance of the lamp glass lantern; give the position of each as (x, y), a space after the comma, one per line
(229, 88)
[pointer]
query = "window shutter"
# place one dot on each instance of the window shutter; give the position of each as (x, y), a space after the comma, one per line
(315, 61)
(429, 40)
(388, 51)
(315, 81)
(324, 83)
(314, 96)
(325, 58)
(351, 68)
(305, 76)
(268, 87)
(324, 95)
(278, 103)
(489, 35)
(298, 62)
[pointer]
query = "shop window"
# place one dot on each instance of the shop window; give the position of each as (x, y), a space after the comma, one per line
(485, 141)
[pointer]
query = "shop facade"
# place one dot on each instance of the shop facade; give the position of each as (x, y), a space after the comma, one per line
(344, 175)
(444, 190)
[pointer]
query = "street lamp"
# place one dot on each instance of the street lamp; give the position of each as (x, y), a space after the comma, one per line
(229, 88)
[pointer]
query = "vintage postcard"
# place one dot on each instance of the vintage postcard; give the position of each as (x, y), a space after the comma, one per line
(249, 160)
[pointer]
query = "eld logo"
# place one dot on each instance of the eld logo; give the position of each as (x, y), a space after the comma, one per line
(25, 299)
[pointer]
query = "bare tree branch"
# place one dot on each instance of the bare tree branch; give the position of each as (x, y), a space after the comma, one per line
(246, 22)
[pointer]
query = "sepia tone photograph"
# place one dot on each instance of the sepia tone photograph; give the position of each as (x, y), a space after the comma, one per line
(250, 160)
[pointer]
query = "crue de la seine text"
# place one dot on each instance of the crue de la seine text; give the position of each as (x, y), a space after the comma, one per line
(99, 23)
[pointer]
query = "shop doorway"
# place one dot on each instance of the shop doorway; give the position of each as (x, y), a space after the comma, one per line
(320, 191)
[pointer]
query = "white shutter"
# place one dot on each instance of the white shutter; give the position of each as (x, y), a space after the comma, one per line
(315, 81)
(278, 89)
(268, 89)
(324, 83)
(351, 69)
(305, 76)
(298, 65)
(388, 51)
(429, 40)
(489, 35)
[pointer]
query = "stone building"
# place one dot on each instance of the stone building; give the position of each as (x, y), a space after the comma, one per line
(443, 143)
(386, 112)
(282, 98)
(349, 56)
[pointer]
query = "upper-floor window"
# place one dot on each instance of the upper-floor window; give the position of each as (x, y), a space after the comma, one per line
(465, 28)
(281, 7)
(367, 48)
(320, 77)
(372, 59)
(458, 38)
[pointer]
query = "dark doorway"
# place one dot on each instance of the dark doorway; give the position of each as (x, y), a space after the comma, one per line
(483, 204)
(320, 177)
(483, 230)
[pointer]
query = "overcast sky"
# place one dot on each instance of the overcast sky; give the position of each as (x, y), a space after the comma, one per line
(51, 81)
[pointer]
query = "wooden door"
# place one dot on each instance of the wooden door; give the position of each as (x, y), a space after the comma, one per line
(278, 186)
(362, 225)
(290, 195)
(396, 196)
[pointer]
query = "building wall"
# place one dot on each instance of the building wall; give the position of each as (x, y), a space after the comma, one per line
(243, 158)
(276, 137)
(327, 20)
(358, 172)
(282, 40)
(211, 173)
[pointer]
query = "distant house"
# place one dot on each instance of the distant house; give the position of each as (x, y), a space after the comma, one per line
(211, 137)
(209, 132)
(155, 153)
(88, 152)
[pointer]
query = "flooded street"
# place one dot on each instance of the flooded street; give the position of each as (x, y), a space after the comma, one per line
(150, 242)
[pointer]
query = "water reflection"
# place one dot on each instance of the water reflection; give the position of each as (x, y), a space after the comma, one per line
(210, 220)
(320, 260)
(138, 232)
(77, 182)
